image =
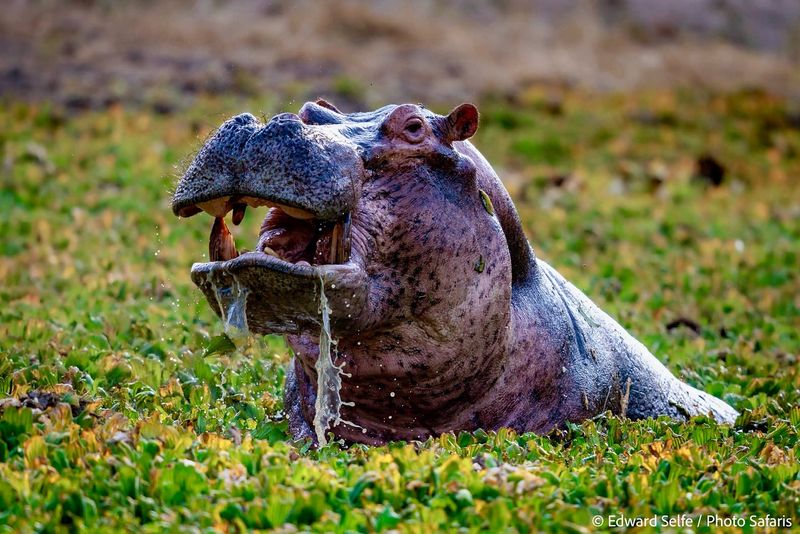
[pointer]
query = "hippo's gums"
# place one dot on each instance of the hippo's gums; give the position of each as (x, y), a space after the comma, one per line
(445, 318)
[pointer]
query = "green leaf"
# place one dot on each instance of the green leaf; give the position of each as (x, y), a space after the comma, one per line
(220, 344)
(487, 202)
(387, 519)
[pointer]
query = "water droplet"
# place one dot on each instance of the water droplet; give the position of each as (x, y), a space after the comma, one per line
(391, 394)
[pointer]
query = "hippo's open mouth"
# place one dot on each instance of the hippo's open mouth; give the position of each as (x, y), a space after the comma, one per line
(295, 253)
(292, 235)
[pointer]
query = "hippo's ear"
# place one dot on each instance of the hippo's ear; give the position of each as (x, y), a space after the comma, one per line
(461, 123)
(325, 104)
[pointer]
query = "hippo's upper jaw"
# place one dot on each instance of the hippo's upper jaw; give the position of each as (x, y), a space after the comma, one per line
(309, 179)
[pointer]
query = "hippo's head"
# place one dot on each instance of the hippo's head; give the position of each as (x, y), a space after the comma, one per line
(381, 206)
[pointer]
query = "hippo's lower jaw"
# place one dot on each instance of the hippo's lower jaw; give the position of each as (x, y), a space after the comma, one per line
(282, 297)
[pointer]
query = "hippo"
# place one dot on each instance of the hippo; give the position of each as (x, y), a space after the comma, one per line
(443, 317)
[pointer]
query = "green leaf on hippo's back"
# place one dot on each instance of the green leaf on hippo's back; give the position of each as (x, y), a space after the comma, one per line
(480, 265)
(220, 344)
(487, 202)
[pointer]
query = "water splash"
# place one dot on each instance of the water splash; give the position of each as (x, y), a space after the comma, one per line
(329, 378)
(232, 302)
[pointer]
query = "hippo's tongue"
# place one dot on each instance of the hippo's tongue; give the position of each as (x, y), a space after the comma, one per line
(307, 241)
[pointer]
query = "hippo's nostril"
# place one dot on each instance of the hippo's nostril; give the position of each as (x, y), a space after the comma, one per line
(312, 113)
(244, 118)
(282, 117)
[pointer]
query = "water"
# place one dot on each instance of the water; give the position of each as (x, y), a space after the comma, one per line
(232, 302)
(329, 378)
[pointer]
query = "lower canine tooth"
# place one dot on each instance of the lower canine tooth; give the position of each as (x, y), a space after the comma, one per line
(221, 246)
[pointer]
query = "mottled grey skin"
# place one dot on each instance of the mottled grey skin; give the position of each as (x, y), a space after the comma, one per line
(445, 319)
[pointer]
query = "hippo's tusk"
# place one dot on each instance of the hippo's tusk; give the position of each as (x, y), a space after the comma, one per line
(221, 246)
(340, 241)
(345, 248)
(336, 243)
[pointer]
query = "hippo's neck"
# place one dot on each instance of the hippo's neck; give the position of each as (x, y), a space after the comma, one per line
(406, 386)
(523, 259)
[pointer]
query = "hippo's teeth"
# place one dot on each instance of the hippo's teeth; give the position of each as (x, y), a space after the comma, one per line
(340, 241)
(189, 211)
(335, 253)
(216, 207)
(297, 213)
(345, 222)
(238, 213)
(220, 245)
(269, 252)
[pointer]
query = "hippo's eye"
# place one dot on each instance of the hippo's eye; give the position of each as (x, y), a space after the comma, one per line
(414, 126)
(414, 130)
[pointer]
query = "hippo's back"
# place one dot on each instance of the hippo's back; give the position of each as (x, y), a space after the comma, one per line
(618, 370)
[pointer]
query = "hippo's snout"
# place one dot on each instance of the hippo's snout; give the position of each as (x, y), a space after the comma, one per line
(283, 162)
(309, 177)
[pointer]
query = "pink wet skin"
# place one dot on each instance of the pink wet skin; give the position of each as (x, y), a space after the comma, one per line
(444, 317)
